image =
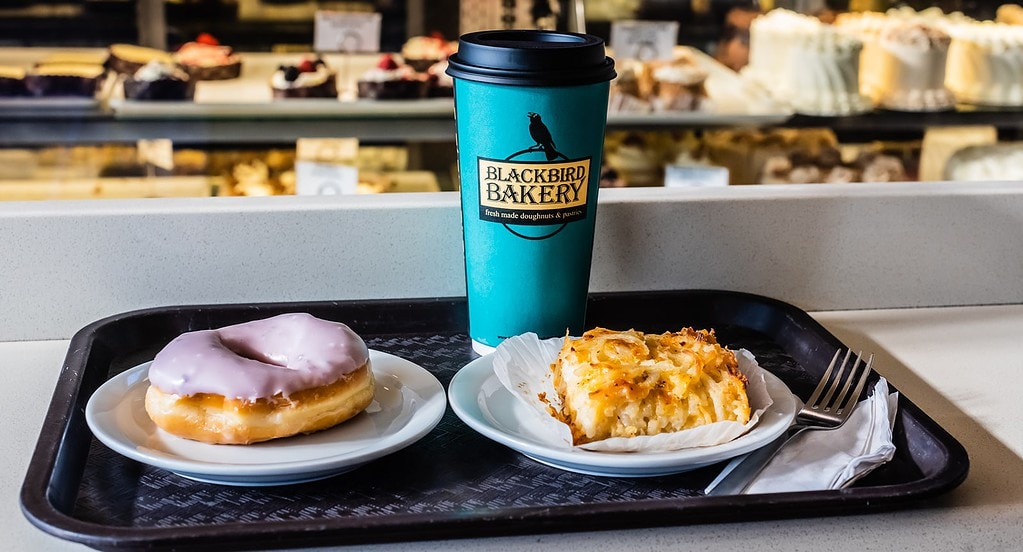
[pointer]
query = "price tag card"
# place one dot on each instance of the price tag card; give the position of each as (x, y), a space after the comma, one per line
(679, 176)
(326, 166)
(336, 31)
(644, 40)
(313, 178)
(158, 153)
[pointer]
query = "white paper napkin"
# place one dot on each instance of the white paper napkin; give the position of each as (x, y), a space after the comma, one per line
(822, 460)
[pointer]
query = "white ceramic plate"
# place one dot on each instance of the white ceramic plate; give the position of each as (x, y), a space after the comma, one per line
(482, 402)
(409, 403)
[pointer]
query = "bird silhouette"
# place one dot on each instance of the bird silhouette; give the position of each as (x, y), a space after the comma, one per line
(542, 135)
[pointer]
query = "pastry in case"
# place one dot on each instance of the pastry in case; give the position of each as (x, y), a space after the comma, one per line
(157, 81)
(421, 52)
(12, 82)
(64, 79)
(128, 58)
(390, 80)
(439, 82)
(311, 78)
(75, 57)
(679, 85)
(813, 67)
(206, 59)
(985, 63)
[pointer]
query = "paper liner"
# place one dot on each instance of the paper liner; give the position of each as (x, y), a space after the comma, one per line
(523, 365)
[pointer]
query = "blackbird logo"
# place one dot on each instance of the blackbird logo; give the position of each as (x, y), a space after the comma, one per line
(534, 197)
(542, 136)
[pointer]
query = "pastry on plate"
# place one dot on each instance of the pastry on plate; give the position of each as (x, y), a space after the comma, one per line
(255, 381)
(627, 383)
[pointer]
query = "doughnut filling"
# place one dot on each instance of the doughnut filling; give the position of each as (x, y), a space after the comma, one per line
(260, 380)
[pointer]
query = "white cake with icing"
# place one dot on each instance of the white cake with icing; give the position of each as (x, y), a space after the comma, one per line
(902, 65)
(910, 67)
(812, 66)
(985, 63)
(867, 26)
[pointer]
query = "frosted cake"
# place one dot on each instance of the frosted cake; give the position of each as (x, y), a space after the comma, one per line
(812, 66)
(985, 63)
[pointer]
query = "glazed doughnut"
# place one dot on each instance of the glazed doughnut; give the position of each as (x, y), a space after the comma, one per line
(261, 380)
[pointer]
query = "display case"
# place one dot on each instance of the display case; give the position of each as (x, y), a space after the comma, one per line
(232, 130)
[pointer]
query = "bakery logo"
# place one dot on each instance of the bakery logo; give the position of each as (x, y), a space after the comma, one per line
(537, 186)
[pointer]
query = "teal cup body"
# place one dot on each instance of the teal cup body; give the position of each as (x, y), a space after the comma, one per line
(529, 143)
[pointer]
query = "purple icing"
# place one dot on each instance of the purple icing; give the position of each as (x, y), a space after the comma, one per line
(282, 354)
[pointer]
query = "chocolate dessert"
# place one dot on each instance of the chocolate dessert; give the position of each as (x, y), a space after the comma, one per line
(439, 83)
(12, 82)
(391, 81)
(156, 81)
(308, 79)
(64, 80)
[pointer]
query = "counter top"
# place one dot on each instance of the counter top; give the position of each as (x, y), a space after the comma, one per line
(962, 365)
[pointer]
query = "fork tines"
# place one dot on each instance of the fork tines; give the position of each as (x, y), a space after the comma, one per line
(837, 401)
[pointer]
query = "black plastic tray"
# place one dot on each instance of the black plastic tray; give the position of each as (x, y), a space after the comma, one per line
(453, 483)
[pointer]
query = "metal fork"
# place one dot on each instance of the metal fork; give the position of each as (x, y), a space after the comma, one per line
(829, 407)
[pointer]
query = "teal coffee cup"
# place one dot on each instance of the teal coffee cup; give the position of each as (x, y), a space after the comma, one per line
(530, 110)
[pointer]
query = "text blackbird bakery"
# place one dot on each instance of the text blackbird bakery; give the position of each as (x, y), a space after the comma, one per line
(560, 185)
(531, 193)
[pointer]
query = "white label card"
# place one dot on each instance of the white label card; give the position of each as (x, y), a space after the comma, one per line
(312, 178)
(644, 40)
(336, 31)
(680, 176)
(158, 153)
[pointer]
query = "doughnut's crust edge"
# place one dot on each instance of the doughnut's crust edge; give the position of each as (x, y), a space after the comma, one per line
(217, 420)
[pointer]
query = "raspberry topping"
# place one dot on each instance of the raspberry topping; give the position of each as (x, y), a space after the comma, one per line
(208, 39)
(387, 63)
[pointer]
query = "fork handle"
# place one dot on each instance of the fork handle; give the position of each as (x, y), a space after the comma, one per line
(746, 470)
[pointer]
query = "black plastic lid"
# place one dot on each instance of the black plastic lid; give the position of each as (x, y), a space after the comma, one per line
(531, 58)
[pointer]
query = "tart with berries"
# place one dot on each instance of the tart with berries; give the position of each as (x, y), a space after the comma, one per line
(421, 52)
(206, 58)
(157, 81)
(390, 80)
(309, 79)
(441, 85)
